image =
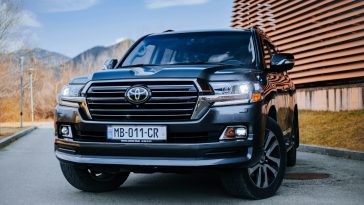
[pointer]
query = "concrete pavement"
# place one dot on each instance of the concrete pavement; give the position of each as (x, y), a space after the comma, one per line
(30, 174)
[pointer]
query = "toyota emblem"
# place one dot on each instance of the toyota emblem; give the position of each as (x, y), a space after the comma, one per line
(137, 94)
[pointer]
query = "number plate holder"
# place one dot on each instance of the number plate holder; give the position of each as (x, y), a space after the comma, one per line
(137, 133)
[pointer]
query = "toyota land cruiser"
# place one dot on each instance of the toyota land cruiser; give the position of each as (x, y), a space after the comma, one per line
(216, 100)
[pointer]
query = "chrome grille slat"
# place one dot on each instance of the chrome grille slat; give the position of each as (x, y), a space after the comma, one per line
(149, 103)
(156, 86)
(171, 100)
(141, 110)
(144, 115)
(110, 88)
(152, 99)
(106, 103)
(106, 99)
(107, 92)
(170, 103)
(175, 91)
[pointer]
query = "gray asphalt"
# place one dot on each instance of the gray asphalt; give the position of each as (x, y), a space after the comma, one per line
(30, 174)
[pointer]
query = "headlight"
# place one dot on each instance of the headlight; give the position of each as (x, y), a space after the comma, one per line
(70, 96)
(71, 91)
(236, 92)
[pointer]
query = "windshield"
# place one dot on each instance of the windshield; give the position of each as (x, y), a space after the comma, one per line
(194, 48)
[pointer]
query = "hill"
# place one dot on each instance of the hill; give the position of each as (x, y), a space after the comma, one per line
(48, 58)
(95, 57)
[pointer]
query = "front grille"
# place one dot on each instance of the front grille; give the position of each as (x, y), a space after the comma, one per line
(171, 100)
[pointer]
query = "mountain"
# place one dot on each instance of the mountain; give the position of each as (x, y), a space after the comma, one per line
(48, 58)
(87, 61)
(95, 57)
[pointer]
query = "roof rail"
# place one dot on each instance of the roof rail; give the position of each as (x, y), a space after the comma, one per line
(169, 30)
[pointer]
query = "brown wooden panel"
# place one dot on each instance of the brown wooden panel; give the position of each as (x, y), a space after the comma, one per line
(326, 36)
(331, 62)
(333, 69)
(316, 31)
(281, 6)
(317, 25)
(323, 37)
(311, 18)
(331, 42)
(328, 56)
(330, 49)
(308, 17)
(335, 76)
(288, 14)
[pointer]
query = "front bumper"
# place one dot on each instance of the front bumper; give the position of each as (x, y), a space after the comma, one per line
(91, 147)
(233, 153)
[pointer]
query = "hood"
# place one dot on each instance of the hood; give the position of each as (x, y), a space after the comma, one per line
(206, 72)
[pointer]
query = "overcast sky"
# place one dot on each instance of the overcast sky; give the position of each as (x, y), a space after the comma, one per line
(72, 26)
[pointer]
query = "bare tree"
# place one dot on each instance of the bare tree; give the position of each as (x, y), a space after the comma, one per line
(9, 10)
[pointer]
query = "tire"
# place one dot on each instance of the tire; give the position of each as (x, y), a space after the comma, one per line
(86, 180)
(244, 182)
(292, 153)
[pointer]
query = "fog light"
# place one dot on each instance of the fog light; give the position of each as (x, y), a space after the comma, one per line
(66, 131)
(240, 132)
(234, 132)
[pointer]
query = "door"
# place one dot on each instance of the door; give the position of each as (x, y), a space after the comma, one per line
(282, 83)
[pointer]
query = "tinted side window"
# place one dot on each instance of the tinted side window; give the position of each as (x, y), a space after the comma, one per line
(269, 50)
(272, 49)
(267, 54)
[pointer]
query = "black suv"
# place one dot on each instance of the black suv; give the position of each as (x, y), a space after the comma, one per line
(183, 101)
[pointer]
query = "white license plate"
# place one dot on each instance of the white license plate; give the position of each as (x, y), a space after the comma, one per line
(137, 133)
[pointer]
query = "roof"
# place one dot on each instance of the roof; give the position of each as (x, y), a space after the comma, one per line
(202, 31)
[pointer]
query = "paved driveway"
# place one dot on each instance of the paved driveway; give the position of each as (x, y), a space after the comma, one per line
(30, 174)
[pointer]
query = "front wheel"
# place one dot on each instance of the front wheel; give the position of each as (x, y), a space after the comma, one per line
(263, 179)
(89, 180)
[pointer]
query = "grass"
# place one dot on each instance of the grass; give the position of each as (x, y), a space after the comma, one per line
(7, 131)
(333, 129)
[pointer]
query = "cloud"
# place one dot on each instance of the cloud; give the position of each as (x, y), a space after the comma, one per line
(57, 6)
(24, 18)
(28, 19)
(158, 4)
(24, 38)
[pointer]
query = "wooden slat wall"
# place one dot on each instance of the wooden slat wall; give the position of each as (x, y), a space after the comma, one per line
(326, 36)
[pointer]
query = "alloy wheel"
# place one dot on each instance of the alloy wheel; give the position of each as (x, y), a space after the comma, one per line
(265, 171)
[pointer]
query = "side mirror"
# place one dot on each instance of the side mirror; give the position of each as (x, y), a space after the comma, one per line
(281, 62)
(110, 64)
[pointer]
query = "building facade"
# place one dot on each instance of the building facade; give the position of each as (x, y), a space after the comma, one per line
(327, 40)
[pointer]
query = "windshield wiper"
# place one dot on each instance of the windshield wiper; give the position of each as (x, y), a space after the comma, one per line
(138, 65)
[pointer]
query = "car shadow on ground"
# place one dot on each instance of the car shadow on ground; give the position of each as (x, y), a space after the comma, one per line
(190, 188)
(203, 188)
(170, 187)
